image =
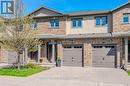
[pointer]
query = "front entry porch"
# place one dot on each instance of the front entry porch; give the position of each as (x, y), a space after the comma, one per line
(45, 54)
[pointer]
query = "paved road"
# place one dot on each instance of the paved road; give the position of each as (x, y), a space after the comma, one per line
(71, 76)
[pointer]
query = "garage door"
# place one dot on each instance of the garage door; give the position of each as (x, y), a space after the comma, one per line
(103, 55)
(72, 55)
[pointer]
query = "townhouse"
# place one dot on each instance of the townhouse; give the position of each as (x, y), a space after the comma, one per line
(97, 38)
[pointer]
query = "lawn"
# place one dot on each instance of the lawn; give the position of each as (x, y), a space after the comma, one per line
(128, 72)
(23, 72)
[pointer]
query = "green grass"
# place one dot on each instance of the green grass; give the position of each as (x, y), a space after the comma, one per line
(128, 72)
(23, 72)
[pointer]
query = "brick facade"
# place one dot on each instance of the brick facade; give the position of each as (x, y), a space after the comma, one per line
(3, 55)
(43, 26)
(118, 25)
(87, 48)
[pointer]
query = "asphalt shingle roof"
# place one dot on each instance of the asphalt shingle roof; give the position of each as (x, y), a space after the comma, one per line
(87, 12)
(78, 36)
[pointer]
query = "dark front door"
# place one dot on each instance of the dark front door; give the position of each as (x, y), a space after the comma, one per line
(72, 55)
(104, 55)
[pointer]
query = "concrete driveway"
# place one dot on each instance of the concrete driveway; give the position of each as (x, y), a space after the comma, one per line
(71, 76)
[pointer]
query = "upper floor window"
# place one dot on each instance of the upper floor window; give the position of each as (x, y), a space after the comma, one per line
(101, 20)
(125, 18)
(54, 23)
(20, 27)
(33, 25)
(77, 22)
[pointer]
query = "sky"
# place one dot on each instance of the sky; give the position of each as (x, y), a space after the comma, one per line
(73, 5)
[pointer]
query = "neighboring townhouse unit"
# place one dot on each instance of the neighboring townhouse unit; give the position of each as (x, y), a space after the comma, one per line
(97, 38)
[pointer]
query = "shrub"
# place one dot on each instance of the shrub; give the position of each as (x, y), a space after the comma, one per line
(30, 65)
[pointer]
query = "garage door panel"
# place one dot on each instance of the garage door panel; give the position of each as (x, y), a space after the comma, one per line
(73, 52)
(72, 64)
(103, 55)
(108, 65)
(72, 56)
(70, 60)
(109, 58)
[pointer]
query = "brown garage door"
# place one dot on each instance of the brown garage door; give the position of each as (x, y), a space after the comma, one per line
(72, 55)
(104, 56)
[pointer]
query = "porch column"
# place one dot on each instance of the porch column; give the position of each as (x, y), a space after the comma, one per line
(39, 53)
(45, 51)
(23, 58)
(53, 54)
(126, 51)
(26, 55)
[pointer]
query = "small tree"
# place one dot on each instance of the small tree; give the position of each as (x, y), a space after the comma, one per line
(17, 36)
(16, 31)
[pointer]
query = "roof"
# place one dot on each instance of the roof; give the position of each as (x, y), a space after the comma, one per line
(76, 13)
(121, 6)
(87, 12)
(78, 36)
(44, 8)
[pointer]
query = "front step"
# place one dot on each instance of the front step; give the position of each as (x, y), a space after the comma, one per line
(44, 60)
(47, 64)
(32, 61)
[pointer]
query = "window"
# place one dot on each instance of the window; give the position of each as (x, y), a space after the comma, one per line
(33, 25)
(109, 47)
(101, 21)
(125, 18)
(97, 20)
(54, 23)
(77, 46)
(67, 46)
(77, 22)
(104, 20)
(20, 27)
(97, 46)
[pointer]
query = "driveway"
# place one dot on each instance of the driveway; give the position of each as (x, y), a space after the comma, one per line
(71, 76)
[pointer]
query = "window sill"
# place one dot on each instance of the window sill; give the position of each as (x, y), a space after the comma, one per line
(54, 28)
(101, 25)
(77, 27)
(125, 23)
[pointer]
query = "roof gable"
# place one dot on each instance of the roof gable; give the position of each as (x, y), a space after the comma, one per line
(44, 11)
(120, 6)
